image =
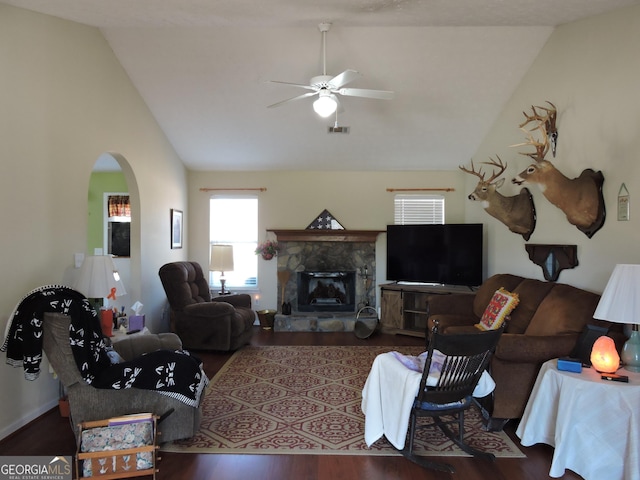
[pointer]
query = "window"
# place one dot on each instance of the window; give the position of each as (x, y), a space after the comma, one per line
(416, 209)
(117, 233)
(234, 221)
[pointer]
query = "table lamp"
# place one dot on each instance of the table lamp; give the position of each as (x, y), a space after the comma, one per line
(620, 303)
(99, 279)
(221, 261)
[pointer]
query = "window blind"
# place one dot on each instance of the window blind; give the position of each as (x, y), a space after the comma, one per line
(417, 209)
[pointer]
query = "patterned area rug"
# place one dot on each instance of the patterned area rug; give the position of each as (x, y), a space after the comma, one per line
(306, 400)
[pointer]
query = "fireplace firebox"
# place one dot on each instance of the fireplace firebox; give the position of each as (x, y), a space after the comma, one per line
(326, 291)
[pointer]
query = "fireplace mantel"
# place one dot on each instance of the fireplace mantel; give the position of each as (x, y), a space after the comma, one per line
(318, 235)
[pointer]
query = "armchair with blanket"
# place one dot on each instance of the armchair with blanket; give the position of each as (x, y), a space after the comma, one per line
(546, 324)
(152, 374)
(88, 403)
(202, 322)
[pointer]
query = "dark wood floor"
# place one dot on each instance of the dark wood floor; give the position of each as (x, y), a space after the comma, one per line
(51, 435)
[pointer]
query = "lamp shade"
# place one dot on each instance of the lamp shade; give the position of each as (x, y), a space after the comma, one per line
(99, 278)
(325, 105)
(620, 301)
(221, 258)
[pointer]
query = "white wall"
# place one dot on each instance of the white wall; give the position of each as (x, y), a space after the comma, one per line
(590, 70)
(65, 100)
(359, 200)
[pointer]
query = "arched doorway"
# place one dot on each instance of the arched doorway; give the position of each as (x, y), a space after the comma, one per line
(112, 174)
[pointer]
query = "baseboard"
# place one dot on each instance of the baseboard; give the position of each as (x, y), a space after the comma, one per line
(21, 422)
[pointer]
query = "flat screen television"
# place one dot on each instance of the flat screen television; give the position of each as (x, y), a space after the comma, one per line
(449, 254)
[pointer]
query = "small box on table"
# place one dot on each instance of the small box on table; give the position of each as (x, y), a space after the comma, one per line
(569, 364)
(136, 323)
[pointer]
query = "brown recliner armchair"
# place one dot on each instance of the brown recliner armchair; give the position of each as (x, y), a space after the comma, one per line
(203, 322)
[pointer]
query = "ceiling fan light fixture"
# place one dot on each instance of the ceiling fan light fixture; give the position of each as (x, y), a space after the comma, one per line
(328, 87)
(325, 105)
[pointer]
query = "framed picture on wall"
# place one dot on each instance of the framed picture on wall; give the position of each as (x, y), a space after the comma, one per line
(176, 228)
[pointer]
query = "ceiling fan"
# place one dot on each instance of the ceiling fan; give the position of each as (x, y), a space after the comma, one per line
(326, 86)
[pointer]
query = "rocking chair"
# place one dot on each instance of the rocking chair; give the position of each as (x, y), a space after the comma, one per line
(449, 393)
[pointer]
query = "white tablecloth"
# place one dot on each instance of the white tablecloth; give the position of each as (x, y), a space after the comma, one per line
(388, 395)
(593, 424)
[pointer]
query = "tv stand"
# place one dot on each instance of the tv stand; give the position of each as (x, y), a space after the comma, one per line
(404, 307)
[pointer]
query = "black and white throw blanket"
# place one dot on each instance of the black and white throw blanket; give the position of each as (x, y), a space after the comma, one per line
(174, 373)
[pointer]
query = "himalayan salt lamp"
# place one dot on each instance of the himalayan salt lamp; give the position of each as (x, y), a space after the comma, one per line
(604, 356)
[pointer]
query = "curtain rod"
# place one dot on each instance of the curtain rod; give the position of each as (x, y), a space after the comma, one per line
(448, 189)
(259, 189)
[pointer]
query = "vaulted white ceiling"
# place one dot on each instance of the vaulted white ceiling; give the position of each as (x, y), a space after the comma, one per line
(203, 67)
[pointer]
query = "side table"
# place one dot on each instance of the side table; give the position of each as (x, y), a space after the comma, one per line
(593, 424)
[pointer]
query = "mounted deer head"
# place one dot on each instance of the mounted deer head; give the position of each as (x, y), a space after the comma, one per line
(517, 213)
(579, 198)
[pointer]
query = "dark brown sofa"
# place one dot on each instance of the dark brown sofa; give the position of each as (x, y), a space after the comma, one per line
(202, 322)
(546, 324)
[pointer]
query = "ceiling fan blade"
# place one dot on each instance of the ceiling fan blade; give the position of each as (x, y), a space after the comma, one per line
(343, 78)
(363, 92)
(308, 87)
(304, 95)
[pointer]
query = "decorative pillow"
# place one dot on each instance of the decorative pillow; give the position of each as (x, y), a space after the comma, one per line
(502, 304)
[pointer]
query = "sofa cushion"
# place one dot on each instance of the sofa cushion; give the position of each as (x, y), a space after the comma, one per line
(531, 293)
(487, 289)
(569, 307)
(500, 305)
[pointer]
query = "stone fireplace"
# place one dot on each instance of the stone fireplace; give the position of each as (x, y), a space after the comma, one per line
(326, 277)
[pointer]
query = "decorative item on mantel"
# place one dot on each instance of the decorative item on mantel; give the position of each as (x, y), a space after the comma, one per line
(268, 249)
(325, 221)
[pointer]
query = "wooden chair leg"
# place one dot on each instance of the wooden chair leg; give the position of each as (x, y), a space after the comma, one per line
(407, 452)
(459, 438)
(412, 432)
(423, 462)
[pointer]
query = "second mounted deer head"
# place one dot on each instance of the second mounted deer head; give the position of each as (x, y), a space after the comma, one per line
(518, 213)
(579, 198)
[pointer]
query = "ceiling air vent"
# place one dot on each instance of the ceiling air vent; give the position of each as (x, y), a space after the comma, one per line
(338, 129)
